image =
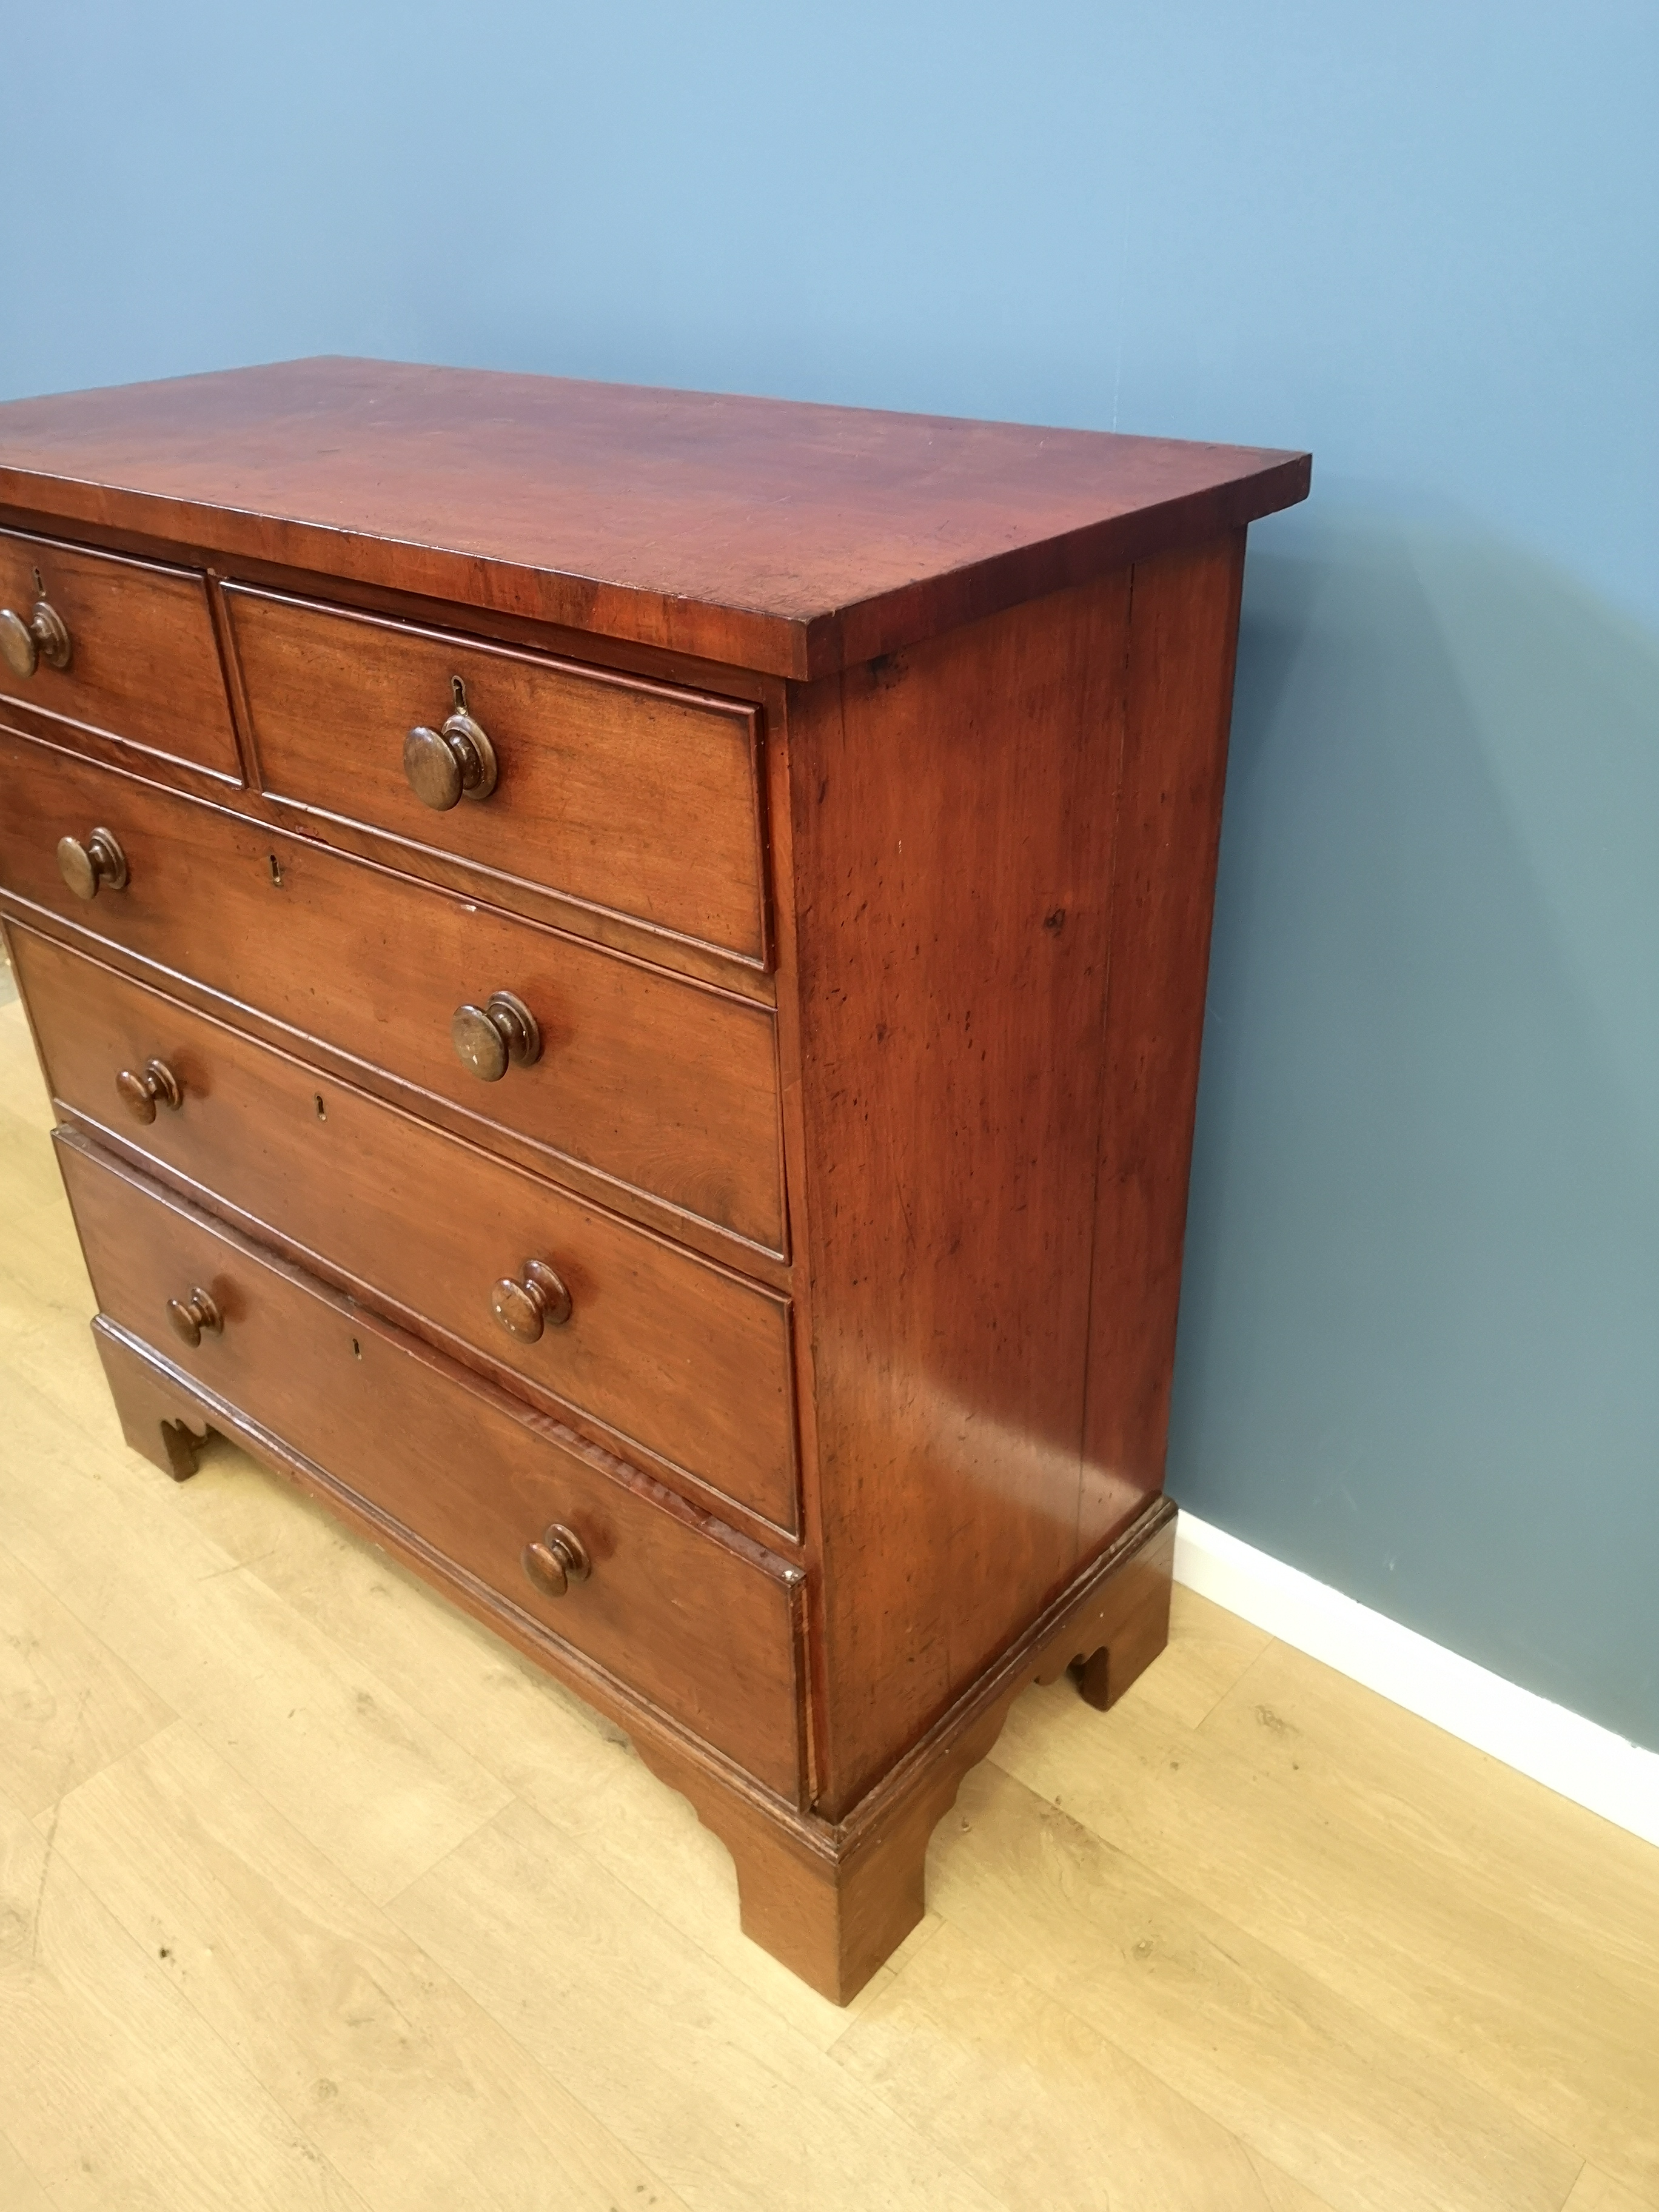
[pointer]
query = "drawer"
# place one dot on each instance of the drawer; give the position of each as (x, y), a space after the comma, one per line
(692, 1616)
(144, 663)
(657, 1083)
(669, 1352)
(628, 796)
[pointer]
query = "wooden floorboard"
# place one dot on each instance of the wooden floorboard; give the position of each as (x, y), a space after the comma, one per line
(313, 1894)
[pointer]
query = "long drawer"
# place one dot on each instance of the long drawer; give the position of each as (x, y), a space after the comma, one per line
(140, 660)
(667, 1351)
(694, 1617)
(638, 797)
(661, 1084)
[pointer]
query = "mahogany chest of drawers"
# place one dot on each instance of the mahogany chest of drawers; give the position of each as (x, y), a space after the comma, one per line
(622, 976)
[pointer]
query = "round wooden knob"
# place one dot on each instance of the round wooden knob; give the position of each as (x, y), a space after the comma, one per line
(445, 766)
(143, 1091)
(25, 645)
(99, 861)
(557, 1559)
(190, 1317)
(490, 1037)
(539, 1301)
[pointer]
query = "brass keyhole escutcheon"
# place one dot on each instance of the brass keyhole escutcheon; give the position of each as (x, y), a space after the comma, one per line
(500, 1033)
(25, 645)
(538, 1300)
(557, 1559)
(193, 1317)
(99, 862)
(444, 766)
(142, 1090)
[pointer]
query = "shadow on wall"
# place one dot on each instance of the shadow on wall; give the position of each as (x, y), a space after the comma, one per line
(1419, 1338)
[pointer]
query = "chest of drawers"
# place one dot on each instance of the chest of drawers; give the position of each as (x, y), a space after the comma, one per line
(622, 975)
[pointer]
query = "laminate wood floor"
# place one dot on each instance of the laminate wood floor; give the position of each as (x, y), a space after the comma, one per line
(312, 1895)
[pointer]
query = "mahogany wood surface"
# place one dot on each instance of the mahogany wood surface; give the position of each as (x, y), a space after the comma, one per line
(797, 539)
(171, 1417)
(624, 932)
(843, 899)
(695, 1616)
(144, 661)
(834, 1914)
(953, 817)
(624, 795)
(676, 1359)
(656, 1082)
(1178, 706)
(1003, 849)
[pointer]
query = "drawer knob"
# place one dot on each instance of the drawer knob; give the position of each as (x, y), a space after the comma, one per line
(557, 1559)
(524, 1308)
(490, 1037)
(142, 1091)
(99, 861)
(192, 1316)
(458, 762)
(25, 645)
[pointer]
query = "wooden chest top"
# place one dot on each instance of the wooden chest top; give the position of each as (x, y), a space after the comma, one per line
(768, 534)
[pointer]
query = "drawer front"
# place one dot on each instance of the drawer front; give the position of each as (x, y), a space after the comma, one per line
(659, 1083)
(698, 1620)
(625, 795)
(143, 662)
(671, 1352)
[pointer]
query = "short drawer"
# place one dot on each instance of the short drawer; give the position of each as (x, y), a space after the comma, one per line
(668, 1351)
(657, 1083)
(692, 1616)
(143, 664)
(632, 797)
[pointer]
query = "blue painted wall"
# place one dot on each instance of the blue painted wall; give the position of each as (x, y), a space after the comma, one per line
(1420, 1348)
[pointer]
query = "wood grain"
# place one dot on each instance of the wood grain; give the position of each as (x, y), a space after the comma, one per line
(663, 1350)
(68, 1706)
(952, 819)
(1347, 2106)
(1041, 2108)
(627, 796)
(790, 538)
(1209, 1649)
(556, 1752)
(265, 1686)
(115, 2092)
(834, 1902)
(1594, 2191)
(19, 2190)
(1178, 690)
(1513, 1840)
(653, 1081)
(144, 667)
(698, 1620)
(1420, 1959)
(1471, 1864)
(416, 2096)
(722, 2098)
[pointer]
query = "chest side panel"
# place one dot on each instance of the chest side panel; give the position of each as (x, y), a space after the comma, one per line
(952, 817)
(1178, 710)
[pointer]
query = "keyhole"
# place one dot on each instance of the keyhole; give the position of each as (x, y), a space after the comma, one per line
(459, 690)
(356, 1349)
(322, 1110)
(276, 872)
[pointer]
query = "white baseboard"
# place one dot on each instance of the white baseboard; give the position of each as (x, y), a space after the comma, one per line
(1566, 1753)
